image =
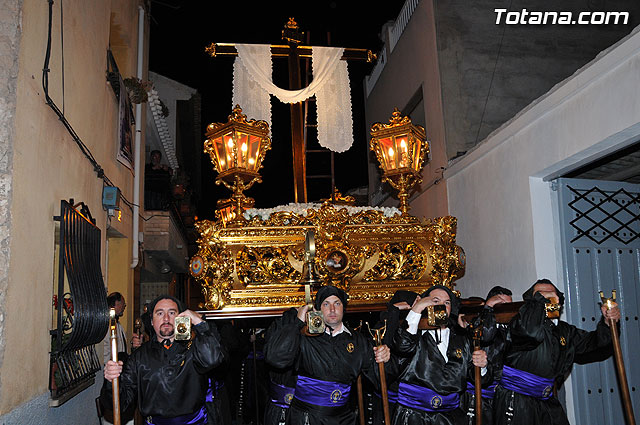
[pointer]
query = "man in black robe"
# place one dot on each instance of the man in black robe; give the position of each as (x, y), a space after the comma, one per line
(493, 341)
(541, 353)
(440, 362)
(397, 309)
(167, 377)
(327, 365)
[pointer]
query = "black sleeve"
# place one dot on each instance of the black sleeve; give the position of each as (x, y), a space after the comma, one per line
(283, 340)
(405, 344)
(527, 327)
(207, 351)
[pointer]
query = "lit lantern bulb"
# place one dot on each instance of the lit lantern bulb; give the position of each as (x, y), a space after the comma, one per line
(251, 161)
(403, 144)
(230, 143)
(391, 152)
(244, 148)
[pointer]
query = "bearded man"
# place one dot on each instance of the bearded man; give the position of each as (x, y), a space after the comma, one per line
(168, 378)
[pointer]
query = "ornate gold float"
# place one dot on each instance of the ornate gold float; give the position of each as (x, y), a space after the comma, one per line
(253, 265)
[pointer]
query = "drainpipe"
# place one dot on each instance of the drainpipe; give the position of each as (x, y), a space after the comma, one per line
(136, 148)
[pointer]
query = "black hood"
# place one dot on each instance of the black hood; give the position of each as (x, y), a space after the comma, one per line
(455, 301)
(153, 303)
(327, 291)
(528, 295)
(403, 296)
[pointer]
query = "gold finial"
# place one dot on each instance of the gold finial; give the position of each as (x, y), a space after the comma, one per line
(608, 301)
(211, 50)
(291, 32)
(378, 334)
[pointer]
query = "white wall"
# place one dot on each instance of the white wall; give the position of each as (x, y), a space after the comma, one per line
(500, 191)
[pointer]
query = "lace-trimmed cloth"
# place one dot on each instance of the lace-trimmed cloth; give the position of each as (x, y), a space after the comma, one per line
(252, 85)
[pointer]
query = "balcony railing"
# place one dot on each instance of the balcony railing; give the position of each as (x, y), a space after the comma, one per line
(392, 37)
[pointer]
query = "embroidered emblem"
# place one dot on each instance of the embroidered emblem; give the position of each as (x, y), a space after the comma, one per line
(336, 395)
(459, 353)
(436, 402)
(197, 264)
(547, 391)
(563, 341)
(288, 398)
(350, 347)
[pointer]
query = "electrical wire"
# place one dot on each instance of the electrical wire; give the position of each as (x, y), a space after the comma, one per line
(45, 86)
(493, 74)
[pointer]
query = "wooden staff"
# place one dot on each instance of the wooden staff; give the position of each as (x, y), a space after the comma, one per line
(617, 352)
(377, 335)
(477, 335)
(115, 384)
(360, 399)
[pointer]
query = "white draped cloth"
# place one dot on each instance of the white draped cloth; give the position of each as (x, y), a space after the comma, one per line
(253, 85)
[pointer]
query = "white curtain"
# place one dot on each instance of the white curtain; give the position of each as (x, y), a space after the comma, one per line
(253, 84)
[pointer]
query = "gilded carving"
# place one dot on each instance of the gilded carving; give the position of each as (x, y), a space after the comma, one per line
(370, 255)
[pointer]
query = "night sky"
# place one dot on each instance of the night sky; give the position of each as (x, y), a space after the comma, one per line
(180, 31)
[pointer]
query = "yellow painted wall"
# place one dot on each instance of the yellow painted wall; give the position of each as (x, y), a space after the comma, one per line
(48, 166)
(120, 277)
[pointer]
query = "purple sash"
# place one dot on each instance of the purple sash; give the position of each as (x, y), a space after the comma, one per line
(214, 386)
(488, 392)
(197, 418)
(281, 395)
(423, 398)
(526, 383)
(321, 393)
(392, 396)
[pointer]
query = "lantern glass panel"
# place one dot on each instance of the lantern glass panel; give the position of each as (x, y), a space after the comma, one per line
(402, 149)
(221, 154)
(242, 144)
(228, 149)
(388, 153)
(254, 151)
(417, 144)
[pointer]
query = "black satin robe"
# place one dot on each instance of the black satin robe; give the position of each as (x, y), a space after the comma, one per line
(428, 368)
(540, 347)
(273, 414)
(321, 357)
(170, 382)
(493, 342)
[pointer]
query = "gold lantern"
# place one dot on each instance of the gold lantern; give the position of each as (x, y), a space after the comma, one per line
(401, 148)
(237, 149)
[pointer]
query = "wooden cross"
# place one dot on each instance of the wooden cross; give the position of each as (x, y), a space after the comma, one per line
(294, 52)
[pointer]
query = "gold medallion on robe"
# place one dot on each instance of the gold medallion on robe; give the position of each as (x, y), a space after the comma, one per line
(288, 397)
(336, 395)
(563, 341)
(458, 353)
(350, 347)
(436, 402)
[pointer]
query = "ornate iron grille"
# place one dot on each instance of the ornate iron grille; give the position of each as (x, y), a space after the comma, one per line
(600, 215)
(83, 317)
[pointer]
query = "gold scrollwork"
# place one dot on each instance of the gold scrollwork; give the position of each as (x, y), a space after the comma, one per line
(366, 253)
